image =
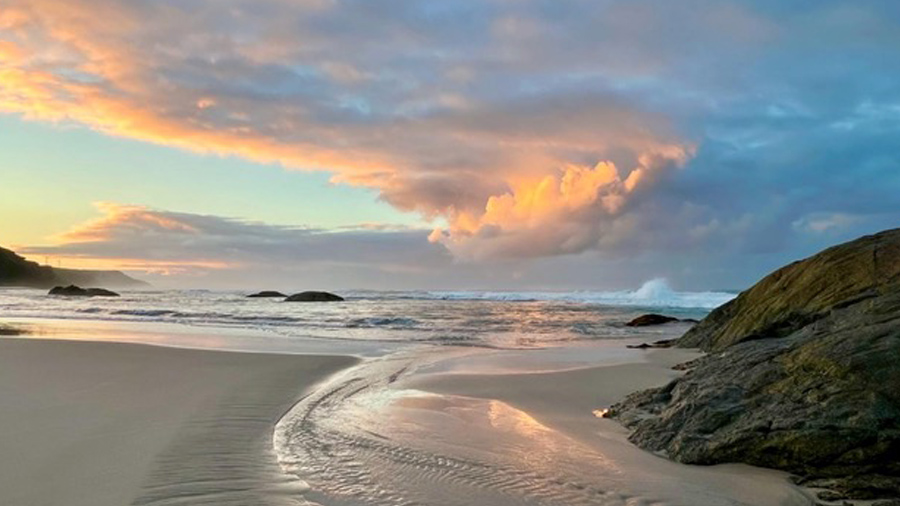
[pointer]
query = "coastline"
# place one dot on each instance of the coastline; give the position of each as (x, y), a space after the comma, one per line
(111, 423)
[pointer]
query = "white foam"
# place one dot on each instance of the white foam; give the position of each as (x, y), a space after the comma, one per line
(653, 293)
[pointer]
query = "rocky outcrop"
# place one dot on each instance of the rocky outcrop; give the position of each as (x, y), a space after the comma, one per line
(314, 297)
(804, 376)
(77, 291)
(804, 292)
(650, 319)
(16, 271)
(266, 295)
(6, 330)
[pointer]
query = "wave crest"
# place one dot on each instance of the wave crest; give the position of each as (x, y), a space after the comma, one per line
(653, 293)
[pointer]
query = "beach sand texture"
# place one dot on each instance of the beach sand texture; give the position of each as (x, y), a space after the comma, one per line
(97, 424)
(104, 423)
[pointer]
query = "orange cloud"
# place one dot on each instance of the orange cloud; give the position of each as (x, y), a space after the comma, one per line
(556, 214)
(264, 89)
(116, 217)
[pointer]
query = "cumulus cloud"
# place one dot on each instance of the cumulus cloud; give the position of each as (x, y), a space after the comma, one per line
(556, 214)
(522, 128)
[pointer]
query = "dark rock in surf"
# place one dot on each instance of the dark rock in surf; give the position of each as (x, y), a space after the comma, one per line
(803, 376)
(68, 291)
(266, 294)
(664, 343)
(6, 330)
(314, 297)
(77, 291)
(650, 319)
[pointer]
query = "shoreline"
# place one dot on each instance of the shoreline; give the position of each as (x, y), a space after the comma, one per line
(155, 424)
(175, 335)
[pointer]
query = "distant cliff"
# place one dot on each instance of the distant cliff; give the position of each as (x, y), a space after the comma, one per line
(16, 271)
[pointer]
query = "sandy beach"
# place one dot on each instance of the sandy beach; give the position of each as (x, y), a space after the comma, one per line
(108, 423)
(97, 424)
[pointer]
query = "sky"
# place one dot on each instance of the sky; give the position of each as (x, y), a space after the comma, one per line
(490, 144)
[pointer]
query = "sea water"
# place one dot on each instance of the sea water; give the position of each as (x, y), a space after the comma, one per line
(457, 318)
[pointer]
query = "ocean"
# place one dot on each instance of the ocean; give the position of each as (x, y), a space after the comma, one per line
(491, 319)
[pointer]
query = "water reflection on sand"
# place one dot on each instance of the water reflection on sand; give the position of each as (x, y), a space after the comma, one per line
(369, 437)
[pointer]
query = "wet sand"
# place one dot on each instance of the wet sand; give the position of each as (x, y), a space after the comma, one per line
(564, 399)
(96, 424)
(560, 406)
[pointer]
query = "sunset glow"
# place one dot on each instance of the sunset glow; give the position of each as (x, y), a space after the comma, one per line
(449, 252)
(497, 133)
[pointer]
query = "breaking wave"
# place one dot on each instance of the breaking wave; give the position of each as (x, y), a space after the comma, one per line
(653, 293)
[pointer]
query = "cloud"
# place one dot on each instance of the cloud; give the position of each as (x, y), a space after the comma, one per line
(523, 129)
(414, 116)
(177, 249)
(133, 231)
(556, 214)
(165, 243)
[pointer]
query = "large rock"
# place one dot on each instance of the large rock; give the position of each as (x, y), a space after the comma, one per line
(266, 294)
(77, 291)
(314, 297)
(804, 376)
(651, 319)
(803, 292)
